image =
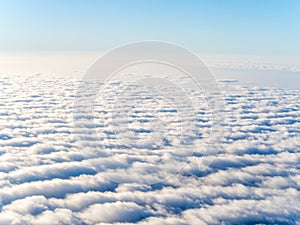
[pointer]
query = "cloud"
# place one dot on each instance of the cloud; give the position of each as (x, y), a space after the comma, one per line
(48, 176)
(113, 212)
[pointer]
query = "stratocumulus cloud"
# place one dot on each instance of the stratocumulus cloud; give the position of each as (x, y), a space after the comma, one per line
(48, 178)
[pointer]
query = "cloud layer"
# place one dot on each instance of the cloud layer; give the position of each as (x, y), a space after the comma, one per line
(47, 175)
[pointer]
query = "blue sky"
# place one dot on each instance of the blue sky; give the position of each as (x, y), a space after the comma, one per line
(217, 27)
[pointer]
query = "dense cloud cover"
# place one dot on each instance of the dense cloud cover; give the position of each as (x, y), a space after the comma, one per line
(253, 178)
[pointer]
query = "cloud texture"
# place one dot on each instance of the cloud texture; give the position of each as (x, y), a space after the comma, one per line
(254, 177)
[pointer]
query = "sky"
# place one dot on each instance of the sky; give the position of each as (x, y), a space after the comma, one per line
(209, 27)
(73, 151)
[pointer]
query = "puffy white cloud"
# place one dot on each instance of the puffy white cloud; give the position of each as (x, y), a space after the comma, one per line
(113, 212)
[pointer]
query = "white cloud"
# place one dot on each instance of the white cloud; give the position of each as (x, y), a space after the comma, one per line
(44, 178)
(113, 212)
